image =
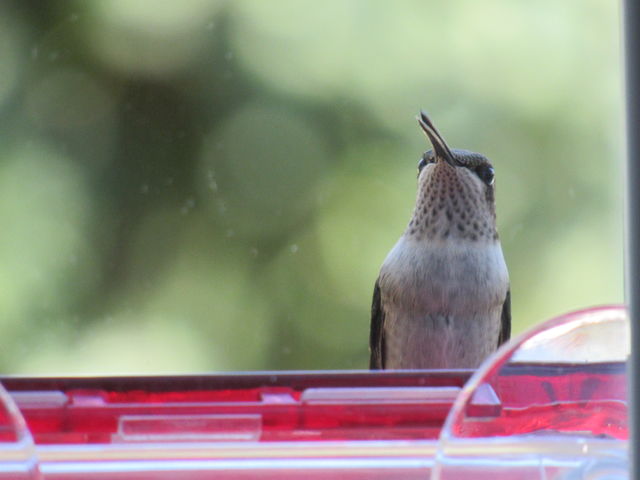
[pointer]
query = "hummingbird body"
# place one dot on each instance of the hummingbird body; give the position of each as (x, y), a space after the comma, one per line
(442, 298)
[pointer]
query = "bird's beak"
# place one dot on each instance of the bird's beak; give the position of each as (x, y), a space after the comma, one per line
(440, 147)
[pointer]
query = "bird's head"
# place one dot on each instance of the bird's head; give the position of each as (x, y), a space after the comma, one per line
(455, 191)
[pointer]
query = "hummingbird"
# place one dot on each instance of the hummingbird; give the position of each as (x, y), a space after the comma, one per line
(442, 299)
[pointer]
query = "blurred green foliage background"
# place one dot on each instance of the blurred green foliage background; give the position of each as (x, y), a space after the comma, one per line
(213, 185)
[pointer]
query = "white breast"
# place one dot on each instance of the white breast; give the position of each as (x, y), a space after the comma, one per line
(444, 278)
(442, 303)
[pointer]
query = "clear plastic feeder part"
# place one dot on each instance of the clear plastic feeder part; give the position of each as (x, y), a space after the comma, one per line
(551, 404)
(17, 450)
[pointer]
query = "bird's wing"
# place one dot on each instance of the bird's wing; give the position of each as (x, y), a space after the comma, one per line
(505, 328)
(376, 338)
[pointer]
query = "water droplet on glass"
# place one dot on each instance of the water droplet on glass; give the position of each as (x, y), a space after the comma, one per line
(515, 231)
(211, 181)
(188, 205)
(321, 198)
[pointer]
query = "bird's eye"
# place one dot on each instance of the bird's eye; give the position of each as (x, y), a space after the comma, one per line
(486, 174)
(424, 161)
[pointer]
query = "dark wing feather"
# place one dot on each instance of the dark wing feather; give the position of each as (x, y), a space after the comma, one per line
(376, 336)
(505, 329)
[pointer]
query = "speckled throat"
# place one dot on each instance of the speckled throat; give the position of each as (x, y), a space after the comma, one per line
(452, 203)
